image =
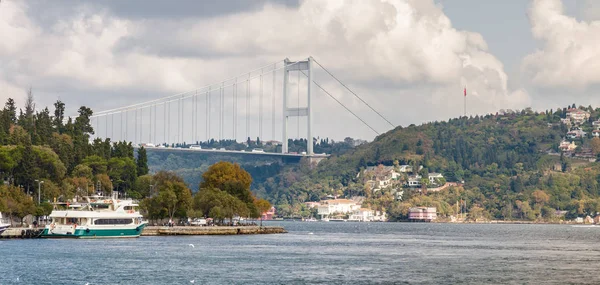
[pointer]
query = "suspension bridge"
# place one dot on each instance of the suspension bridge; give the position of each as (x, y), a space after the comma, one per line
(274, 101)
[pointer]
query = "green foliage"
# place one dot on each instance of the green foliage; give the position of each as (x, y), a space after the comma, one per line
(142, 162)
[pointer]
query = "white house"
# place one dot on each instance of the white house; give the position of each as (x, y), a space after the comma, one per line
(337, 206)
(405, 168)
(362, 215)
(379, 177)
(435, 176)
(414, 181)
(578, 116)
(575, 133)
(567, 146)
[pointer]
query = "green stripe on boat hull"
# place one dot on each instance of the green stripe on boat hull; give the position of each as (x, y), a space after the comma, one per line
(99, 233)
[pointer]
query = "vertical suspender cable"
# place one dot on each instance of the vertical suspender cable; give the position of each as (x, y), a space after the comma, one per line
(136, 125)
(260, 106)
(247, 117)
(112, 127)
(273, 105)
(169, 124)
(235, 110)
(208, 110)
(194, 118)
(298, 106)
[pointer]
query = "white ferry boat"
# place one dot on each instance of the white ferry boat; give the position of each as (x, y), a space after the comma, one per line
(99, 217)
(3, 226)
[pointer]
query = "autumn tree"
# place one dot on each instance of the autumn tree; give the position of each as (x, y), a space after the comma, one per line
(263, 206)
(222, 173)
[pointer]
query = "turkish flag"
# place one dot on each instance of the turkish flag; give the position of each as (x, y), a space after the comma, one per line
(465, 91)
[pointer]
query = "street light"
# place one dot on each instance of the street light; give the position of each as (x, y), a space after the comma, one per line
(39, 190)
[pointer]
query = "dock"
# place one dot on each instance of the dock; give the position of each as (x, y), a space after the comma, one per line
(22, 233)
(211, 230)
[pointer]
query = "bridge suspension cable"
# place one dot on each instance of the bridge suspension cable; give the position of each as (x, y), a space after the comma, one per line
(353, 93)
(342, 104)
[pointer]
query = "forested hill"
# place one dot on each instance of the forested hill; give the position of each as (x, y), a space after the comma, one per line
(459, 148)
(510, 163)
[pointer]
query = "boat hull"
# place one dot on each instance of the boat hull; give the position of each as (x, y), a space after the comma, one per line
(3, 228)
(91, 233)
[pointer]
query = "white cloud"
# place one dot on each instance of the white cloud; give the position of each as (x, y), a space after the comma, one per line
(398, 54)
(570, 56)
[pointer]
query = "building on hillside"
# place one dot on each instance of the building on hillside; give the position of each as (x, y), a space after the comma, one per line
(566, 121)
(329, 208)
(434, 177)
(362, 215)
(578, 116)
(567, 146)
(576, 133)
(414, 181)
(405, 169)
(585, 153)
(596, 133)
(268, 215)
(596, 124)
(425, 214)
(380, 177)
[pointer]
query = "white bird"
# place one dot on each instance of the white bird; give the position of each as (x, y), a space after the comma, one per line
(191, 245)
(310, 233)
(192, 281)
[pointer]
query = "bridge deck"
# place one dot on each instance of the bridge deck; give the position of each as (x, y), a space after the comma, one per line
(218, 151)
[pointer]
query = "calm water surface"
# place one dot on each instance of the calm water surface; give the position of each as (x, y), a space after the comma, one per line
(319, 253)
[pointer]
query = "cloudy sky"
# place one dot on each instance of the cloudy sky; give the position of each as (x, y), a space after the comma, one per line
(409, 59)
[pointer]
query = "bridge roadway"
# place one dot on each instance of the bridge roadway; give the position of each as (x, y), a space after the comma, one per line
(288, 157)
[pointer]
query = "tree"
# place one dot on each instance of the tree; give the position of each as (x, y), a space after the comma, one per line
(142, 162)
(123, 172)
(223, 172)
(263, 206)
(176, 198)
(59, 116)
(595, 144)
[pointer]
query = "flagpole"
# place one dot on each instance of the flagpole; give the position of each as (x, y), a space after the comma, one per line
(465, 100)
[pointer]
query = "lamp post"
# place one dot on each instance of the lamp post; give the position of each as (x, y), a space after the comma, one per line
(40, 182)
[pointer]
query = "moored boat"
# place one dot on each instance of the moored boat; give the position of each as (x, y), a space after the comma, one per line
(3, 226)
(98, 217)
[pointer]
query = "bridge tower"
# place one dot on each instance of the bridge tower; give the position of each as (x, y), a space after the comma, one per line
(300, 66)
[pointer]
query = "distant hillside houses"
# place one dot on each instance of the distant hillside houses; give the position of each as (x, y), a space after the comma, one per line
(381, 177)
(578, 116)
(567, 146)
(345, 209)
(576, 133)
(435, 180)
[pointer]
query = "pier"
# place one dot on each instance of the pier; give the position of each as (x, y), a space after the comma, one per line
(11, 233)
(211, 230)
(21, 233)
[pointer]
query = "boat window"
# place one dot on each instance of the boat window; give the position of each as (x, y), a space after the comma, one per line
(112, 221)
(100, 206)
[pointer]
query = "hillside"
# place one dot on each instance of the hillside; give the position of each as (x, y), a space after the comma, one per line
(510, 163)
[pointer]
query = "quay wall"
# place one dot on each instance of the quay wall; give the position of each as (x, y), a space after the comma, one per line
(213, 230)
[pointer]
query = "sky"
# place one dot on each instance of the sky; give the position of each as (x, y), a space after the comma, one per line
(408, 59)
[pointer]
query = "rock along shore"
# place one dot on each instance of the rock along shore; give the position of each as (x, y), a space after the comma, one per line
(212, 230)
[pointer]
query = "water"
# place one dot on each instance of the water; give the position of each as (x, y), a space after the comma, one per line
(319, 253)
